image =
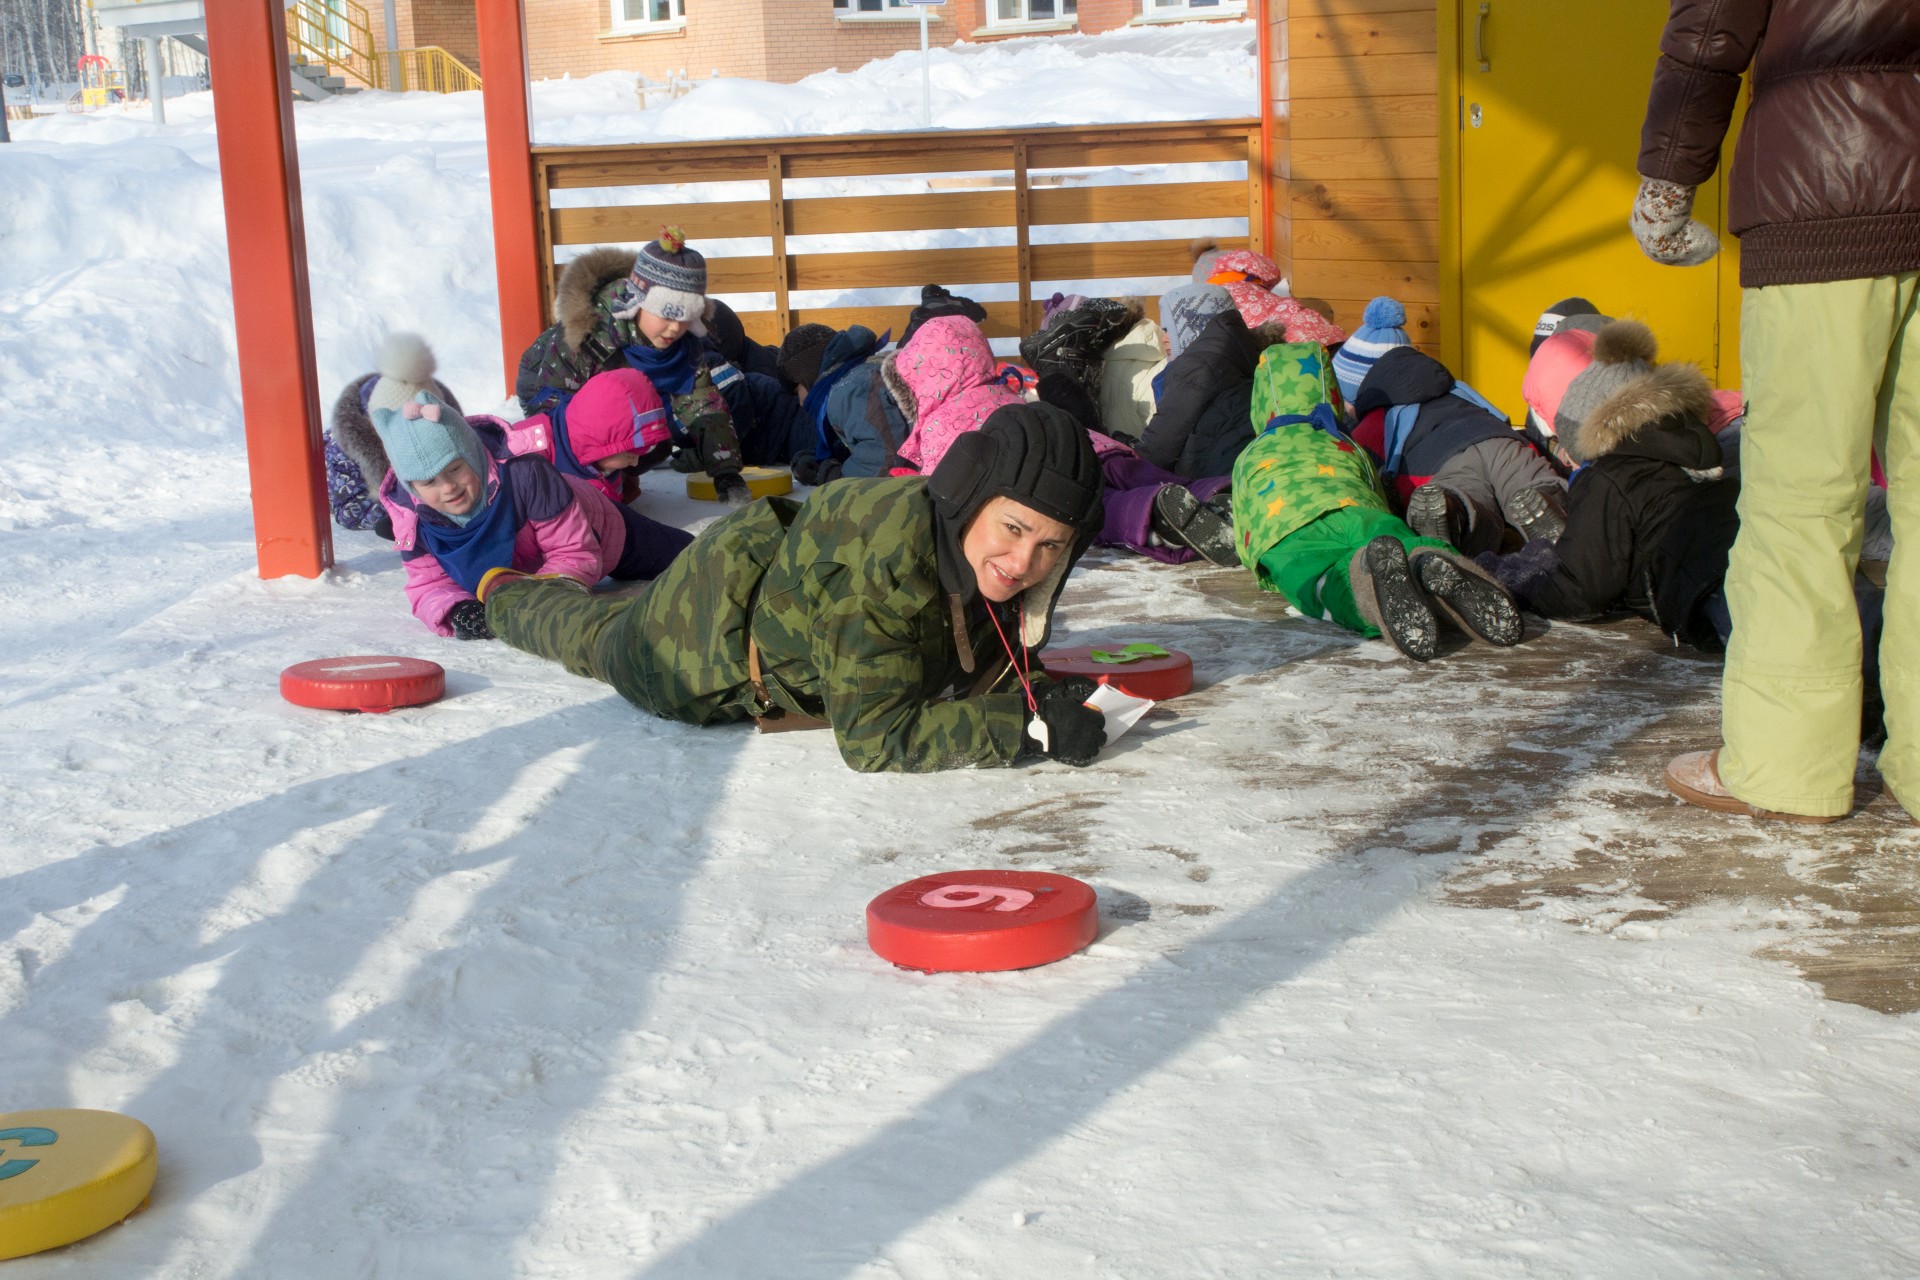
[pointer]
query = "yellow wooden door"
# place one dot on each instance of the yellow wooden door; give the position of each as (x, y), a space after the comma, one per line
(1551, 98)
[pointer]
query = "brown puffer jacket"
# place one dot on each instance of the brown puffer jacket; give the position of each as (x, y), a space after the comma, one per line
(1826, 177)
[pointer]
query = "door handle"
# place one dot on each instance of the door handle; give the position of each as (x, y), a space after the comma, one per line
(1480, 37)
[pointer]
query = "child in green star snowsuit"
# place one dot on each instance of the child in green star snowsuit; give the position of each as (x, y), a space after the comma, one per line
(1315, 526)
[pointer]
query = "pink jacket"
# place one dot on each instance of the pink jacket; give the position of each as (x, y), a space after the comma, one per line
(949, 370)
(566, 526)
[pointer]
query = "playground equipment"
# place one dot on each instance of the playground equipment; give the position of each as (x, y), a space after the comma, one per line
(982, 921)
(375, 683)
(337, 37)
(66, 1174)
(100, 84)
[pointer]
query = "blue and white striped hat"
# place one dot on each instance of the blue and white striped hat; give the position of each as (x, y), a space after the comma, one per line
(1380, 331)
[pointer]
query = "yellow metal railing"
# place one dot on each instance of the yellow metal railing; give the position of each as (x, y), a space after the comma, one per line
(336, 34)
(431, 69)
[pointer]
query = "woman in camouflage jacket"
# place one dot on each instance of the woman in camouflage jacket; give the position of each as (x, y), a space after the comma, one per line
(890, 608)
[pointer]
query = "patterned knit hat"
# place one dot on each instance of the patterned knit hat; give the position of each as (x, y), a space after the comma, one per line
(801, 353)
(405, 364)
(1558, 316)
(1381, 330)
(669, 280)
(424, 436)
(1187, 309)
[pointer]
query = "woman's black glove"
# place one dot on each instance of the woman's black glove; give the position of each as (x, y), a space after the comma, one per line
(1075, 731)
(469, 621)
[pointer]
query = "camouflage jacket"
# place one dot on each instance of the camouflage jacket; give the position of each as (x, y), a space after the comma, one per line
(843, 598)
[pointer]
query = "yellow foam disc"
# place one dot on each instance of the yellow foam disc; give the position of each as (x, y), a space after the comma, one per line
(762, 482)
(67, 1174)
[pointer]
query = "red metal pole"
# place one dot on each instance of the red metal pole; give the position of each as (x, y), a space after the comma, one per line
(267, 254)
(516, 243)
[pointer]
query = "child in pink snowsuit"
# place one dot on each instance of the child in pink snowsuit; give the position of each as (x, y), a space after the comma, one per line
(463, 503)
(946, 378)
(606, 433)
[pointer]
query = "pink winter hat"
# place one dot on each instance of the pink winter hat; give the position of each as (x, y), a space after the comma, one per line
(614, 412)
(1560, 359)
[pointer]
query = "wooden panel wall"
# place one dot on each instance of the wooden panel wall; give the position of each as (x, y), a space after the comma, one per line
(1358, 83)
(995, 193)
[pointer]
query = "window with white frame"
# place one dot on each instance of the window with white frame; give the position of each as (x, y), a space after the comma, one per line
(846, 8)
(1191, 8)
(1008, 13)
(632, 14)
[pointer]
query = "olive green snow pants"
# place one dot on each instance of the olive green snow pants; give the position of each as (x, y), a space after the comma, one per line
(1830, 370)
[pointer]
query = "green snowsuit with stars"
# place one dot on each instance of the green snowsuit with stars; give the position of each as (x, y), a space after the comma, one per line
(1305, 497)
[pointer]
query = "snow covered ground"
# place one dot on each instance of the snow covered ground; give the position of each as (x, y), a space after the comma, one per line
(1397, 976)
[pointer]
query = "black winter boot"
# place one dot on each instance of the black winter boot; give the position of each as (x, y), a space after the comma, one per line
(1390, 597)
(1469, 595)
(1437, 512)
(1182, 521)
(732, 490)
(1539, 513)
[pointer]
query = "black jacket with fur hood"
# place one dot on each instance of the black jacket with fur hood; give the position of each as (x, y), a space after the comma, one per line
(1650, 516)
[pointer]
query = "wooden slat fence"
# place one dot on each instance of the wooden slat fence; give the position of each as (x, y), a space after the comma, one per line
(1014, 180)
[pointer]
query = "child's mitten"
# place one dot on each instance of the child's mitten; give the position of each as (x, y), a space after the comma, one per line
(1664, 225)
(469, 621)
(1522, 572)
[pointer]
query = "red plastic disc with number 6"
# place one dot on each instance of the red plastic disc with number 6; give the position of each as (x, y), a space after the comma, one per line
(369, 682)
(982, 921)
(1156, 679)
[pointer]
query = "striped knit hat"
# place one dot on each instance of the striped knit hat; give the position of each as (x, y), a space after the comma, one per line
(1381, 330)
(669, 280)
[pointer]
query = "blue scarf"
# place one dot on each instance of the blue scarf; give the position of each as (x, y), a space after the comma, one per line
(671, 371)
(485, 541)
(563, 459)
(1401, 418)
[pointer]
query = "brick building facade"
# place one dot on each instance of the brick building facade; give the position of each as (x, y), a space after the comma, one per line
(774, 40)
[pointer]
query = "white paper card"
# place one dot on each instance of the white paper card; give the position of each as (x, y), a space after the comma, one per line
(1122, 710)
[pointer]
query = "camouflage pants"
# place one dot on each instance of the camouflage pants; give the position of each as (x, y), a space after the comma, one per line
(679, 649)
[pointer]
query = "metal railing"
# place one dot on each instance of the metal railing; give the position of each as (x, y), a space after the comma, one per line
(338, 35)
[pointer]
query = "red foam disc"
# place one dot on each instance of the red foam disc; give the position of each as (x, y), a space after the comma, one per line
(1155, 678)
(367, 682)
(982, 921)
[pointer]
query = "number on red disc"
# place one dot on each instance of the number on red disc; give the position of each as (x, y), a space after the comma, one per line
(982, 921)
(364, 683)
(1155, 678)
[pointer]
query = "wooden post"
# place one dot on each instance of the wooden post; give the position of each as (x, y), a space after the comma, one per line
(1023, 252)
(267, 252)
(777, 205)
(516, 242)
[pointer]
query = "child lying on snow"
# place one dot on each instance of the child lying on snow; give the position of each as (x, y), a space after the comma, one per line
(648, 311)
(356, 460)
(1258, 289)
(1200, 417)
(462, 503)
(858, 416)
(1462, 474)
(607, 433)
(947, 383)
(1313, 523)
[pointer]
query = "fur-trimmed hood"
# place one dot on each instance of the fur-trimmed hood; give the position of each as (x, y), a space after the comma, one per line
(579, 288)
(1653, 410)
(352, 427)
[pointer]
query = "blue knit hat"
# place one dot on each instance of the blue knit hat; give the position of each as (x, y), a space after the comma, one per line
(1186, 310)
(1380, 331)
(425, 436)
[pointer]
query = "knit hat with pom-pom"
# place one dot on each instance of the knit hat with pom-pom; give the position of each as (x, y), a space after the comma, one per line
(424, 435)
(669, 280)
(1623, 354)
(405, 365)
(1382, 328)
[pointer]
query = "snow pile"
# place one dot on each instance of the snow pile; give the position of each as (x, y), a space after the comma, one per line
(527, 984)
